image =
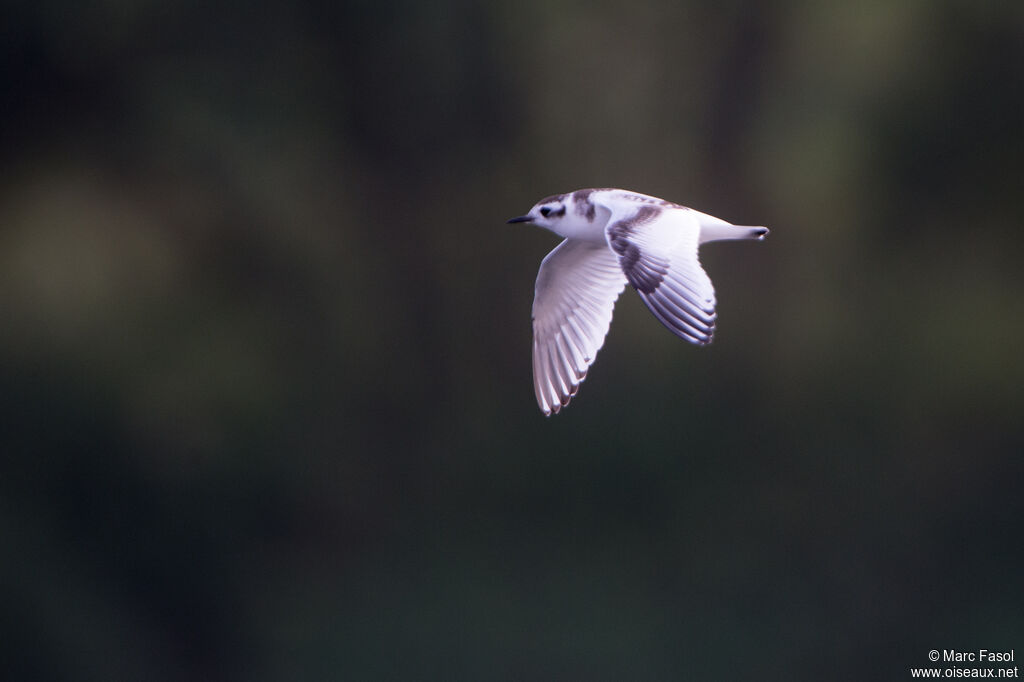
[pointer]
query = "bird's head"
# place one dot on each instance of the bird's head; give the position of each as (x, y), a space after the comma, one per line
(546, 213)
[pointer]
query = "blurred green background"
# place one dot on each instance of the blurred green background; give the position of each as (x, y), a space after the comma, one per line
(265, 351)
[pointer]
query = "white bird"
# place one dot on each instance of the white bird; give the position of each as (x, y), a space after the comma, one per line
(613, 236)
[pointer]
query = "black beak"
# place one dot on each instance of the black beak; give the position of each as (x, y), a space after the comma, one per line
(520, 219)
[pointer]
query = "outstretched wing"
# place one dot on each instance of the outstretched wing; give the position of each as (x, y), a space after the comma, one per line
(656, 246)
(576, 290)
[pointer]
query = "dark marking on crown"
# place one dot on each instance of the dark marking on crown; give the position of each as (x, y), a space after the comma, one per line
(584, 207)
(551, 199)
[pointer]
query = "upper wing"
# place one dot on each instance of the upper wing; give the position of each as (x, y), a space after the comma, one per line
(577, 286)
(657, 250)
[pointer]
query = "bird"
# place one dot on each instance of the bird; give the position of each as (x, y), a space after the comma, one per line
(614, 237)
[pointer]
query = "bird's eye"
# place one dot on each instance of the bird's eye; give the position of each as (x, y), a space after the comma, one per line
(546, 211)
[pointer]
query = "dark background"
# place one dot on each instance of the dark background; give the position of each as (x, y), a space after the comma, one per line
(265, 376)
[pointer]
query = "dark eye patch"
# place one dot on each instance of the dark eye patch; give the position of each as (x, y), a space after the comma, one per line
(546, 211)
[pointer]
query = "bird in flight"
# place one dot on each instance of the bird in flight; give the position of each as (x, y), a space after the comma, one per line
(614, 237)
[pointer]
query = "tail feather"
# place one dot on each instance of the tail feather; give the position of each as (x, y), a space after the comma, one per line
(714, 229)
(720, 232)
